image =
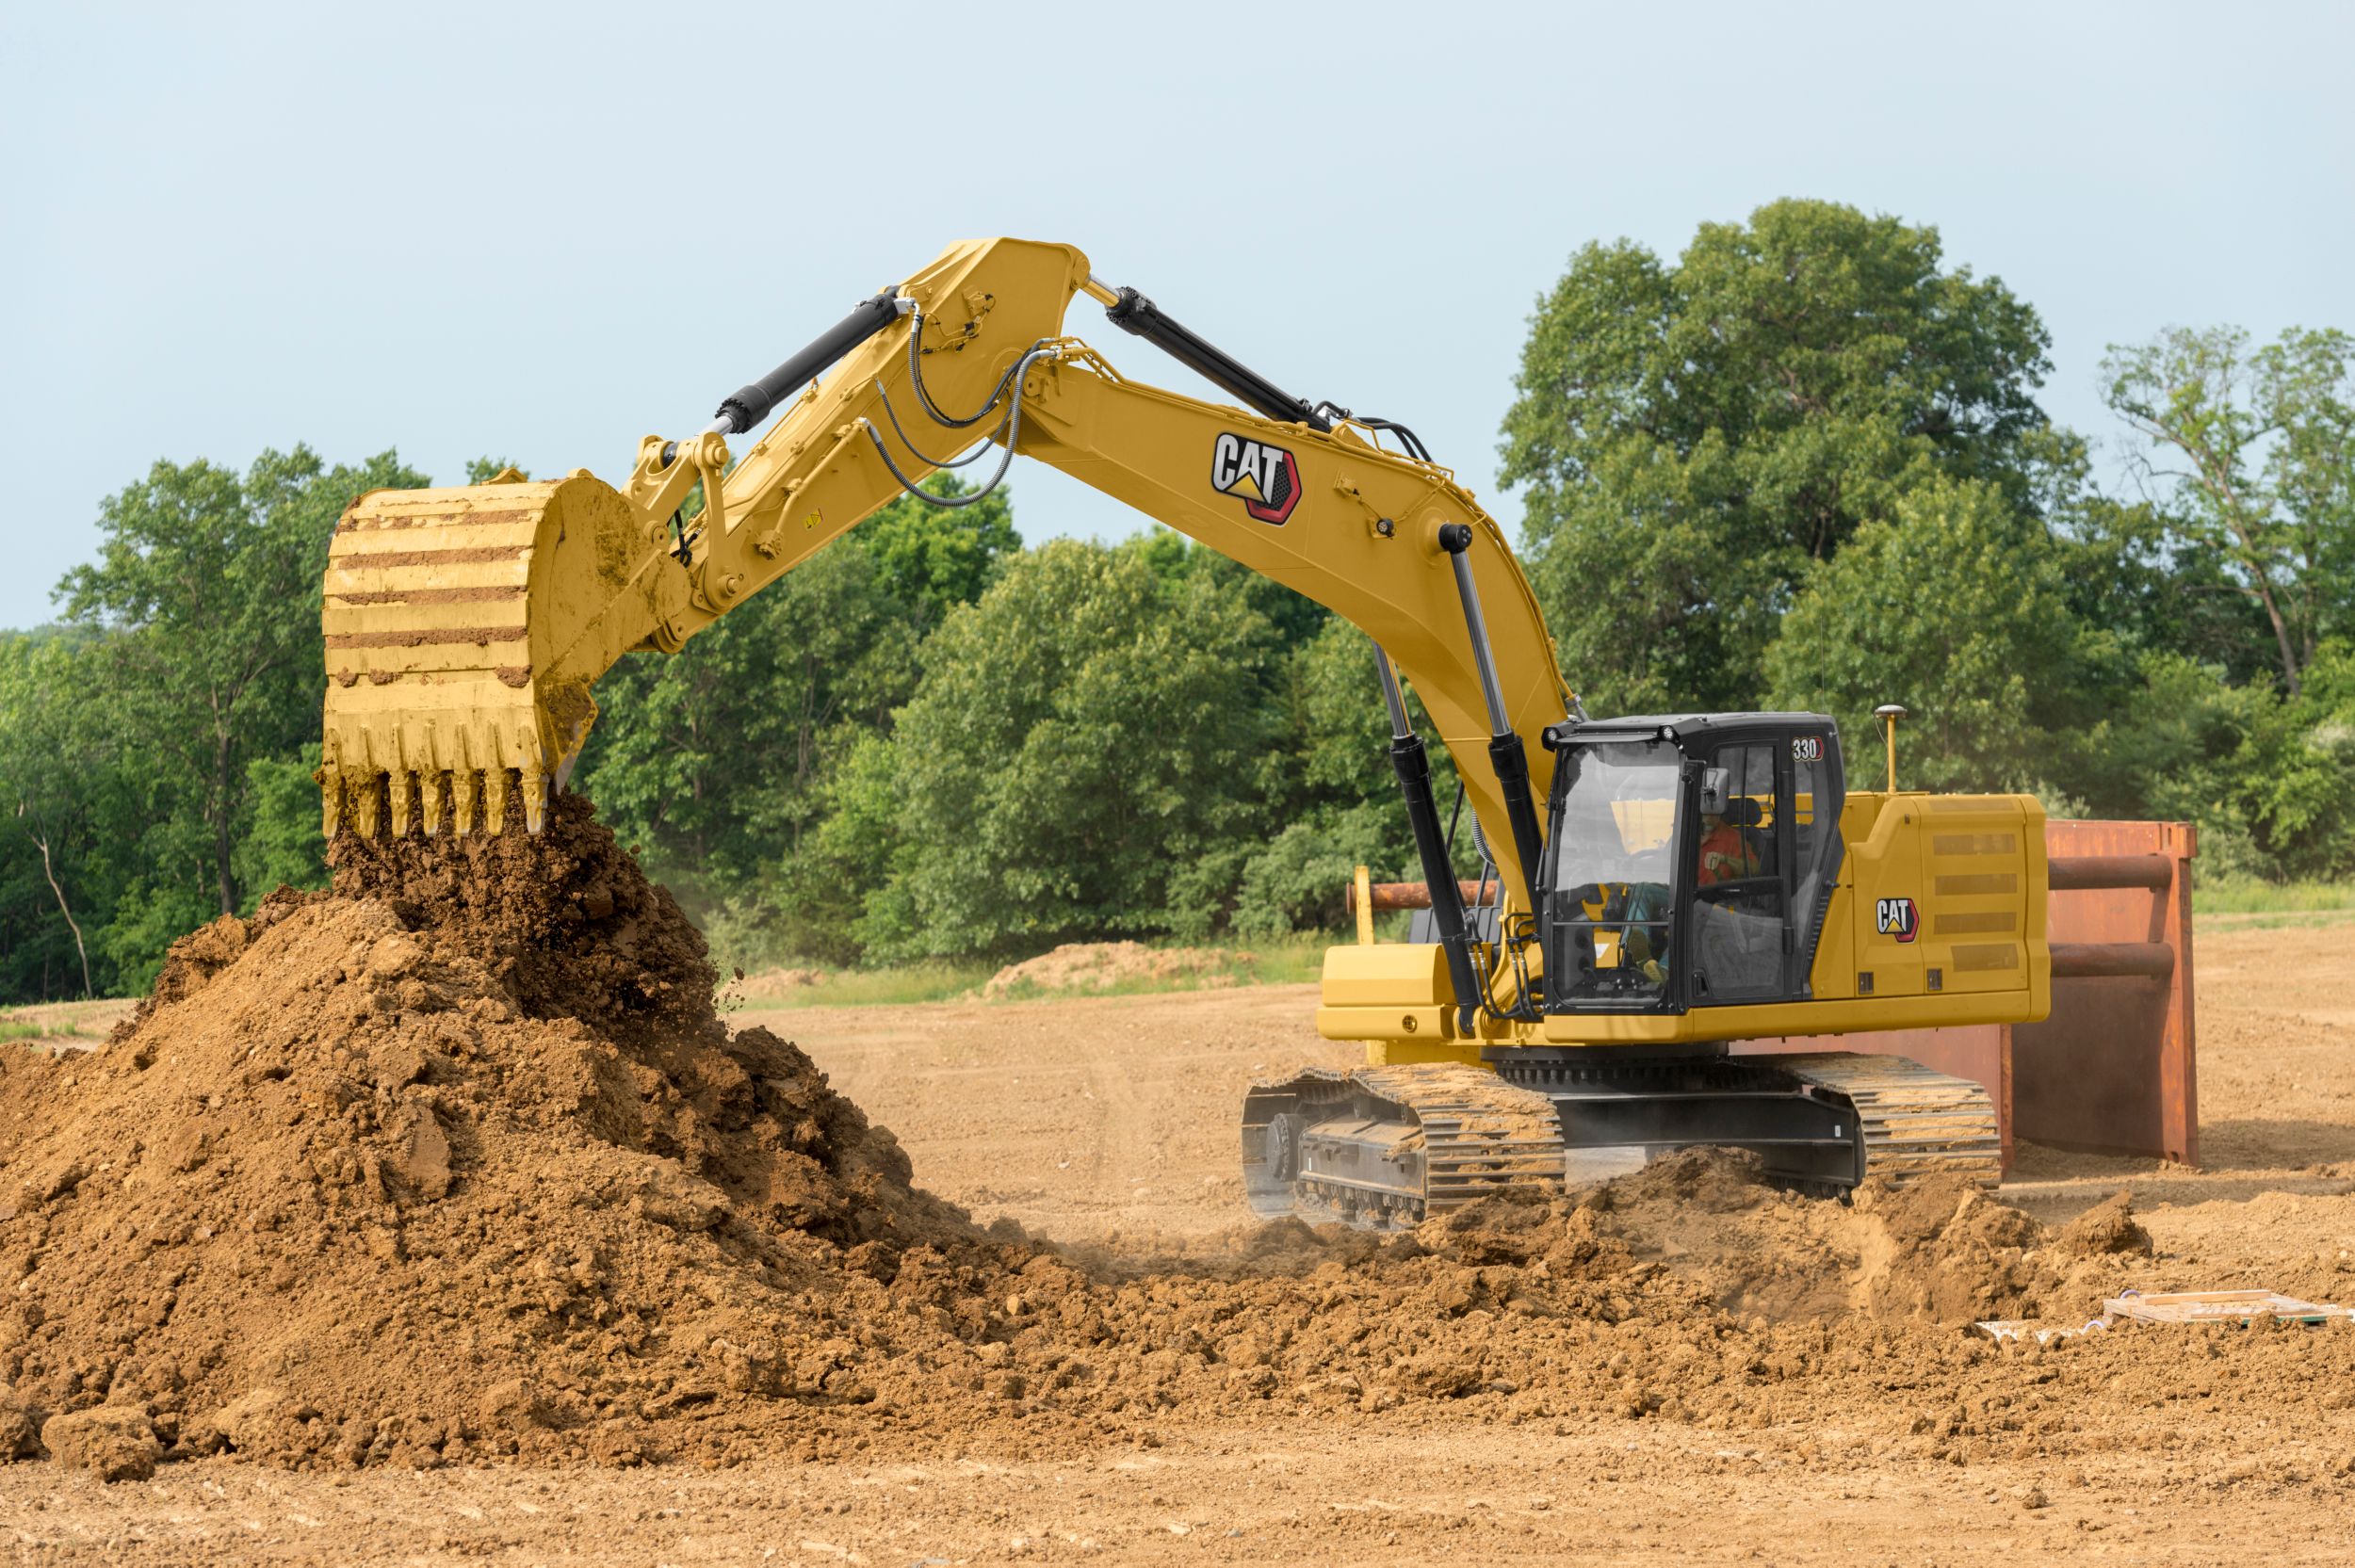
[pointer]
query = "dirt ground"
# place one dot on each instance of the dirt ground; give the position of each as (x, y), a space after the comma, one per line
(1109, 1122)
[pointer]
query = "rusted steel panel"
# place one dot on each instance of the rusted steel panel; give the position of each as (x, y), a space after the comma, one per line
(2112, 1069)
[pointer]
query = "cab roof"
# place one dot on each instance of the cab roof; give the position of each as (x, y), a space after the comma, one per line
(1684, 726)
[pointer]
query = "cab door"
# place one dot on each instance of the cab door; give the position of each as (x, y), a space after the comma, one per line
(1739, 930)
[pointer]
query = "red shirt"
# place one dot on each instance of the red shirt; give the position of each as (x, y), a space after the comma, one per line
(1727, 854)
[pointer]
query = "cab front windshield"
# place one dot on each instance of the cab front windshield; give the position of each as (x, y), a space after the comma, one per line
(1614, 841)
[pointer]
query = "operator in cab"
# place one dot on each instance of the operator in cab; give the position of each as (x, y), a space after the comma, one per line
(1727, 848)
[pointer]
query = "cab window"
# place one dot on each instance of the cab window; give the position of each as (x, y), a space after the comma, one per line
(1613, 871)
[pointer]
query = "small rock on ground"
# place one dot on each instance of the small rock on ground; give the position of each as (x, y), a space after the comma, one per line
(112, 1442)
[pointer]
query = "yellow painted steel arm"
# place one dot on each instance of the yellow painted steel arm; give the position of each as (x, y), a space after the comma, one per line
(1362, 539)
(466, 627)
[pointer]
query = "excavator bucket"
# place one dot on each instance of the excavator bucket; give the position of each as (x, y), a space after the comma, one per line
(464, 628)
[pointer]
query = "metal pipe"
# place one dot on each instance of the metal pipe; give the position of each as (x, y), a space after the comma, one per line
(2084, 960)
(2073, 873)
(1383, 897)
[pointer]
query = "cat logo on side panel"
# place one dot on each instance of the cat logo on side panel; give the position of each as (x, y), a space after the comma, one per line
(1896, 917)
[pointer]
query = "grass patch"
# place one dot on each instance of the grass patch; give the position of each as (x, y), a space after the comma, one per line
(2250, 896)
(59, 1021)
(868, 987)
(2274, 920)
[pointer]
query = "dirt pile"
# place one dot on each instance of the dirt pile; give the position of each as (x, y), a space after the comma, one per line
(777, 982)
(1096, 967)
(458, 1162)
(457, 1158)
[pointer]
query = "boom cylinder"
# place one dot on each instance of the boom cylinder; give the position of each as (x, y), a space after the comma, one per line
(1412, 765)
(1507, 753)
(751, 403)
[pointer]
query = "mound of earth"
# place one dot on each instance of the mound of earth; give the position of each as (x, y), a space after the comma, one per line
(1100, 967)
(777, 982)
(458, 1162)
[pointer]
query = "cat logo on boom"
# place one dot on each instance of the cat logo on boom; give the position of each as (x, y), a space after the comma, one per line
(1265, 479)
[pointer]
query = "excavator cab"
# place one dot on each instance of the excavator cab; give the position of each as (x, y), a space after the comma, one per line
(1690, 860)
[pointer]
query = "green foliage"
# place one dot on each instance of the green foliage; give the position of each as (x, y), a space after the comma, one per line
(930, 560)
(711, 760)
(57, 750)
(1299, 881)
(1690, 438)
(721, 762)
(1955, 607)
(284, 845)
(208, 582)
(2255, 454)
(1084, 730)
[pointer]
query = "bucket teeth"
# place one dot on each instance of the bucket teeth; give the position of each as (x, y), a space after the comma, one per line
(365, 800)
(462, 795)
(398, 786)
(363, 806)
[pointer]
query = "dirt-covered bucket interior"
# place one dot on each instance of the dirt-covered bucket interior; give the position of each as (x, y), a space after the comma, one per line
(458, 1162)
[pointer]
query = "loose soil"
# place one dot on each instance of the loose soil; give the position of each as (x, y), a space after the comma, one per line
(1077, 969)
(441, 1216)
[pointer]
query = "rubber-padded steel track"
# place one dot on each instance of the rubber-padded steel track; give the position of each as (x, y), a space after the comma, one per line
(1384, 1147)
(1917, 1123)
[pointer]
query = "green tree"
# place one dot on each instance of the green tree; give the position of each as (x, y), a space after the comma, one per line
(1956, 607)
(54, 756)
(931, 559)
(1089, 753)
(715, 760)
(208, 584)
(709, 758)
(1690, 438)
(2255, 455)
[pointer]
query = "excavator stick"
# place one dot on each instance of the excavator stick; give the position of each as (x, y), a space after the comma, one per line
(464, 627)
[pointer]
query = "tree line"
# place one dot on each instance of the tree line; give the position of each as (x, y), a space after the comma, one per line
(1801, 464)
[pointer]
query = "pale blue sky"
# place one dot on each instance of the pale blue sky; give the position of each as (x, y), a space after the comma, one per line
(543, 231)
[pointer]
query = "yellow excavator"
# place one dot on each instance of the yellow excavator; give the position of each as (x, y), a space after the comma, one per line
(1665, 885)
